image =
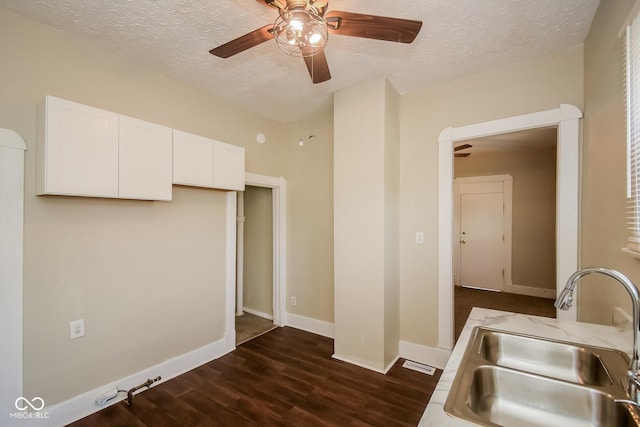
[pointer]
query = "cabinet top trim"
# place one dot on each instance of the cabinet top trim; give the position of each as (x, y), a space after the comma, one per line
(10, 139)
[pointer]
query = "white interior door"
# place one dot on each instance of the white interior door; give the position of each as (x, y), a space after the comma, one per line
(482, 240)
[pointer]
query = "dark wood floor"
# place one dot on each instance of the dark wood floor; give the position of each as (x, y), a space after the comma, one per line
(285, 377)
(466, 299)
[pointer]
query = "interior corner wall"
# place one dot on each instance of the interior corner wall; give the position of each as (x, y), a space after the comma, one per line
(366, 223)
(309, 173)
(148, 278)
(603, 222)
(359, 223)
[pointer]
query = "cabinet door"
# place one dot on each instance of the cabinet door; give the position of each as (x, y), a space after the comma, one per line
(192, 159)
(77, 150)
(228, 166)
(145, 160)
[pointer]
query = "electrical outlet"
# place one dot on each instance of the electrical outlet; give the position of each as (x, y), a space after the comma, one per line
(76, 329)
(293, 301)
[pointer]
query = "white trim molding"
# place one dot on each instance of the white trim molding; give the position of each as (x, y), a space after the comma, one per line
(315, 326)
(84, 404)
(279, 202)
(567, 119)
(230, 324)
(369, 367)
(12, 148)
(258, 313)
(432, 356)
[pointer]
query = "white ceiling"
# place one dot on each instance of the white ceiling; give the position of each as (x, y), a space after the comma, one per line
(458, 37)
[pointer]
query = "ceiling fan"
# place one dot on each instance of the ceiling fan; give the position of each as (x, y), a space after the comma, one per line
(303, 27)
(461, 147)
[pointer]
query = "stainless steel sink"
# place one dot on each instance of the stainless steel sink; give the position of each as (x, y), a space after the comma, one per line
(507, 379)
(554, 359)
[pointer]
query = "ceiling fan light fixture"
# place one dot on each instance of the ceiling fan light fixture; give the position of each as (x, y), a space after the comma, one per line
(296, 25)
(316, 38)
(300, 32)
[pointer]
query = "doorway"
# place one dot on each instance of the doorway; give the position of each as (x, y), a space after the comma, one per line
(567, 119)
(482, 230)
(254, 311)
(275, 188)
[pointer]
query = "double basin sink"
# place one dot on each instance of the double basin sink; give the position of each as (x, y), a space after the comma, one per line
(508, 379)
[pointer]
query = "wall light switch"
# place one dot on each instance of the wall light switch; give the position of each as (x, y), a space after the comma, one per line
(76, 329)
(419, 237)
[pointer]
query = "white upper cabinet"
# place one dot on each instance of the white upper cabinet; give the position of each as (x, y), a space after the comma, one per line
(86, 151)
(77, 150)
(192, 159)
(145, 163)
(203, 162)
(228, 166)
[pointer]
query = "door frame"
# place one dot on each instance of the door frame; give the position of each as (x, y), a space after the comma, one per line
(12, 148)
(278, 186)
(567, 119)
(507, 191)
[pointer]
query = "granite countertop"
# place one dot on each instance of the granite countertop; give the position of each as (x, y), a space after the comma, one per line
(583, 333)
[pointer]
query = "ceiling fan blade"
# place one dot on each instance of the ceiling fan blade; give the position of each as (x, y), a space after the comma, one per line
(372, 26)
(462, 154)
(462, 147)
(318, 67)
(243, 43)
(278, 4)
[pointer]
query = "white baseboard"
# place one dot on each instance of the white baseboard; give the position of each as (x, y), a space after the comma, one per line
(366, 366)
(315, 326)
(258, 313)
(84, 404)
(432, 356)
(530, 291)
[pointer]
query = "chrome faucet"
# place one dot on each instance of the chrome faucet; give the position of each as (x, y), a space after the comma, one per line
(565, 300)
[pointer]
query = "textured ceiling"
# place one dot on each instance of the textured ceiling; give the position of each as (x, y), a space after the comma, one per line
(526, 140)
(458, 37)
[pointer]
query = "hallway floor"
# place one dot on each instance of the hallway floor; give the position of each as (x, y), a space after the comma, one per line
(249, 326)
(467, 298)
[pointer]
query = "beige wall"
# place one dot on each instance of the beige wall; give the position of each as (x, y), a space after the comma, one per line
(366, 188)
(258, 250)
(147, 277)
(533, 261)
(539, 84)
(65, 281)
(309, 174)
(359, 223)
(603, 228)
